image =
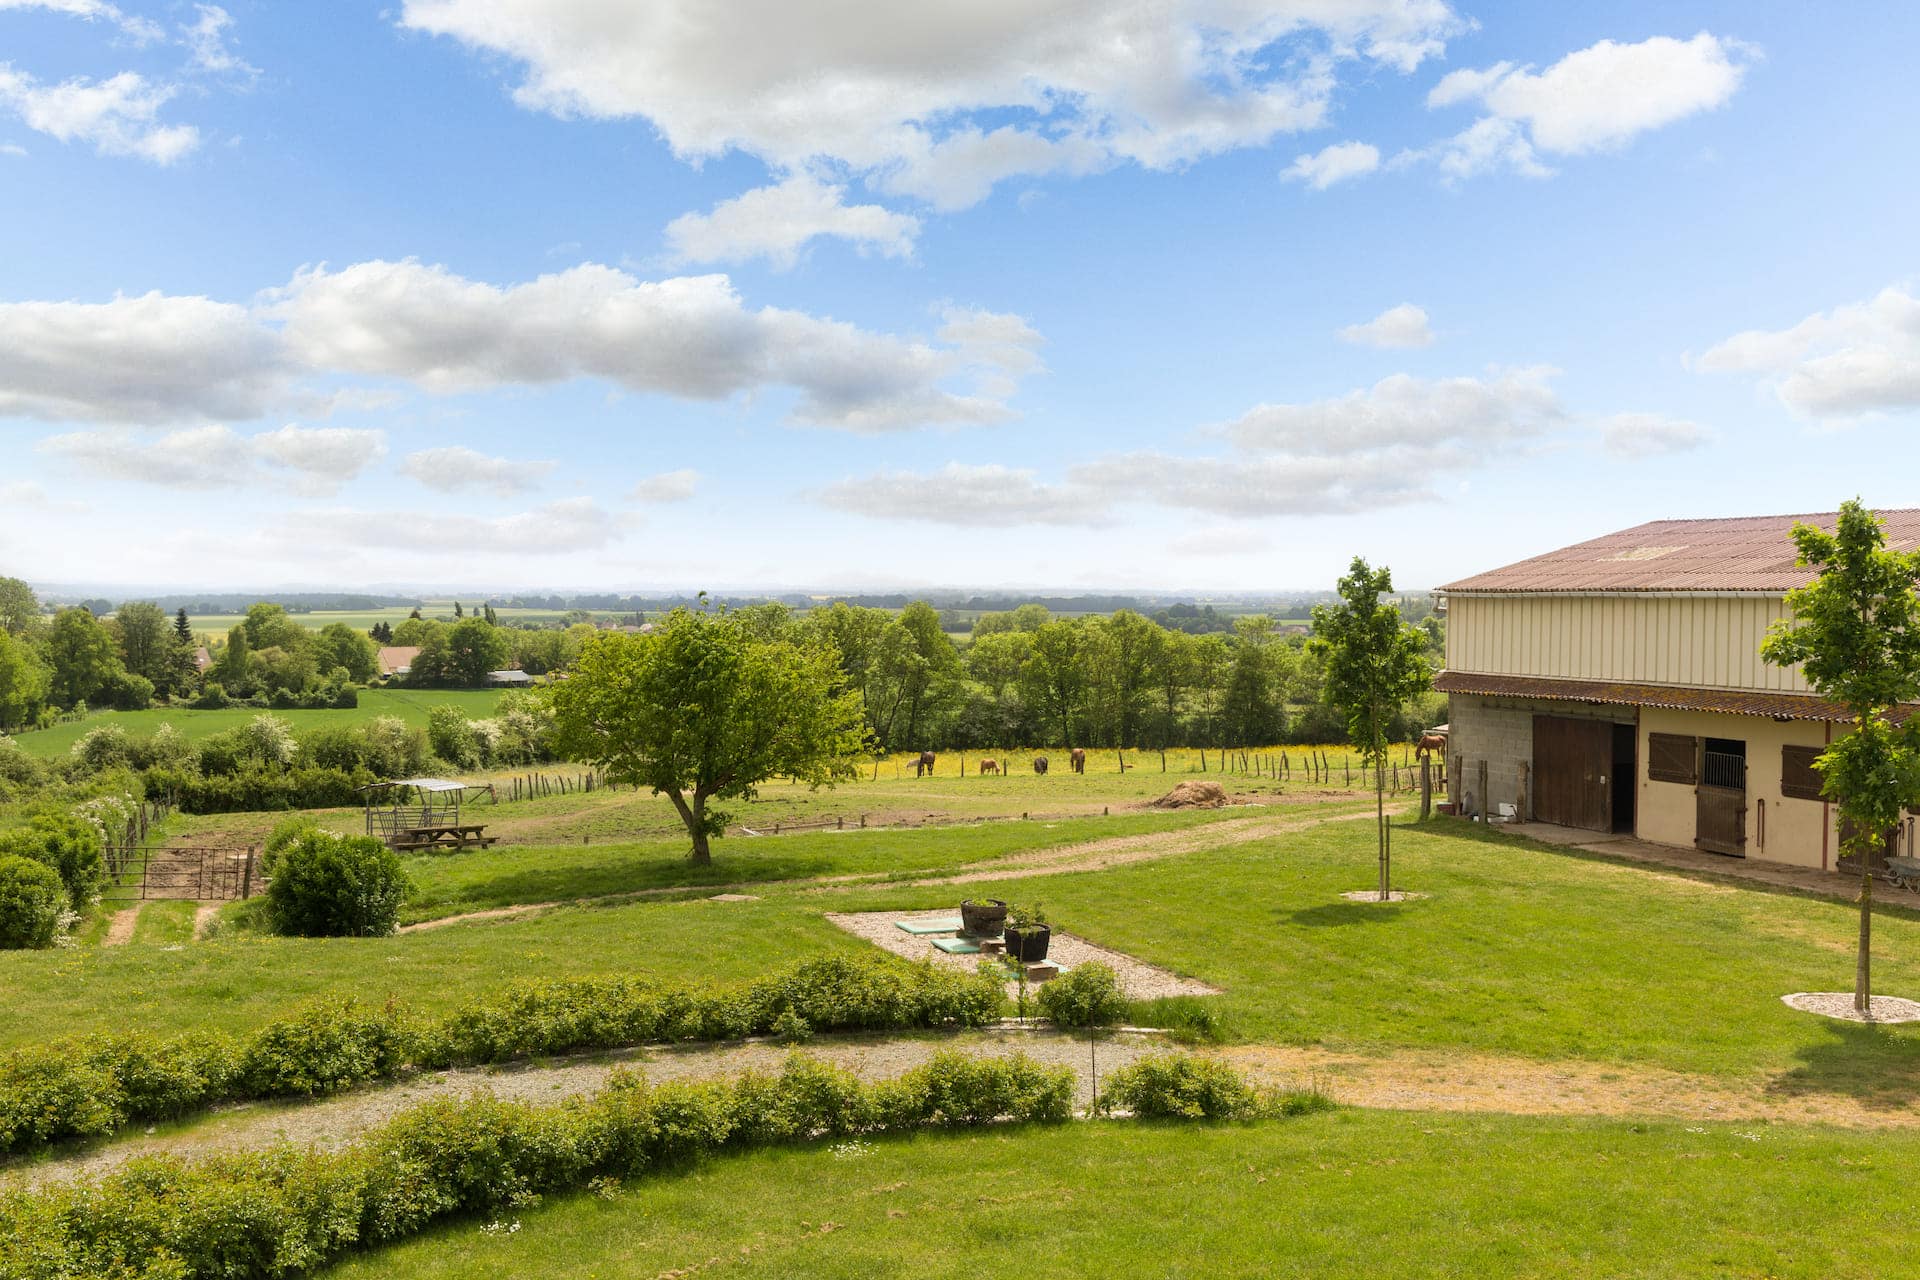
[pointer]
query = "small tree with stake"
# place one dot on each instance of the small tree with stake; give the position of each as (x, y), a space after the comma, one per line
(1089, 996)
(1855, 631)
(1375, 664)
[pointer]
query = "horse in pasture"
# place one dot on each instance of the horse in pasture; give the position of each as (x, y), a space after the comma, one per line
(1078, 759)
(924, 764)
(1040, 764)
(1431, 741)
(989, 766)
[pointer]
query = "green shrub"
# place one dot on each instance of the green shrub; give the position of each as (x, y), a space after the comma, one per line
(53, 1094)
(326, 1048)
(1179, 1085)
(452, 738)
(1086, 995)
(68, 844)
(332, 886)
(256, 789)
(102, 748)
(289, 1211)
(32, 902)
(283, 836)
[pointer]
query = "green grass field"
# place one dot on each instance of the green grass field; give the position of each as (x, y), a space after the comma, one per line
(411, 705)
(1362, 1194)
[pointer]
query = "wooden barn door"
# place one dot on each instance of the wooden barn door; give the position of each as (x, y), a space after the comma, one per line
(1721, 798)
(1572, 760)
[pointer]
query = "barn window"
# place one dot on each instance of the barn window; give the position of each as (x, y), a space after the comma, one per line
(1673, 757)
(1799, 779)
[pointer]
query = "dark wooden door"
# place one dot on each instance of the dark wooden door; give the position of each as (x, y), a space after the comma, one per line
(1572, 761)
(1720, 810)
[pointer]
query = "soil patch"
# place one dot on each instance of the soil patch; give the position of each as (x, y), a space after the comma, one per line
(1138, 979)
(120, 928)
(1194, 795)
(1373, 895)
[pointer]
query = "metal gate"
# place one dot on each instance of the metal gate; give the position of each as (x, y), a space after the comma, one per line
(1720, 821)
(197, 874)
(1571, 763)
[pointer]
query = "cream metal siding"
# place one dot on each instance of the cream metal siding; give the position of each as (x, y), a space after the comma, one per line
(1698, 640)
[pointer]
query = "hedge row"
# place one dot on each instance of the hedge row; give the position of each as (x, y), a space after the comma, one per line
(284, 1212)
(96, 1086)
(259, 789)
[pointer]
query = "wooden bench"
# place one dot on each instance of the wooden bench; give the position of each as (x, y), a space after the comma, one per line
(443, 836)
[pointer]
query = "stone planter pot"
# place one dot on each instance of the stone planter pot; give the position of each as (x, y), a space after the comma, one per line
(983, 919)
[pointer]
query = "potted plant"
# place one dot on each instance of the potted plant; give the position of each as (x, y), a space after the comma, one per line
(982, 919)
(1027, 933)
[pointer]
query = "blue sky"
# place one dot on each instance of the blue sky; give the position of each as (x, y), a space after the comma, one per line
(1208, 295)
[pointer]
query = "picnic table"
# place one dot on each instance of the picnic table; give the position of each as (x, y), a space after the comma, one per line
(443, 835)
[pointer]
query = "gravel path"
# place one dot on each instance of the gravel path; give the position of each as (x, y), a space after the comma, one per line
(337, 1121)
(1138, 979)
(1839, 1004)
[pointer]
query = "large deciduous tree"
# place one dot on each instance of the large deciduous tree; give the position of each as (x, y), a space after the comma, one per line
(1375, 664)
(23, 683)
(83, 655)
(707, 708)
(20, 609)
(1855, 631)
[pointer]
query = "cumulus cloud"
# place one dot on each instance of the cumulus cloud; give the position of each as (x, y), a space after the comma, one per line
(988, 496)
(1651, 435)
(1595, 99)
(159, 359)
(138, 29)
(948, 97)
(667, 486)
(152, 358)
(119, 116)
(1855, 359)
(572, 524)
(1401, 326)
(1379, 447)
(1337, 163)
(207, 41)
(306, 459)
(457, 469)
(777, 222)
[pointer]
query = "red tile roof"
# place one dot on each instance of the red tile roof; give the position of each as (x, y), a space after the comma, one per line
(1753, 553)
(395, 658)
(1792, 706)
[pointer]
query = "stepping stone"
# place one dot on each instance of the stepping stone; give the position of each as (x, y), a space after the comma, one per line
(993, 946)
(957, 946)
(919, 927)
(1041, 970)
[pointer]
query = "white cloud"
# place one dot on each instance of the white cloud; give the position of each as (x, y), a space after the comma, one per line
(1337, 163)
(1855, 359)
(158, 359)
(206, 40)
(118, 115)
(457, 469)
(946, 97)
(573, 524)
(1595, 99)
(1651, 435)
(689, 336)
(988, 496)
(1268, 486)
(140, 30)
(308, 460)
(153, 358)
(667, 486)
(776, 222)
(1221, 540)
(1403, 410)
(1401, 326)
(12, 149)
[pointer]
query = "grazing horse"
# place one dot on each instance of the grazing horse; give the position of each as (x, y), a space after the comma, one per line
(1078, 759)
(989, 766)
(1039, 764)
(1430, 742)
(924, 764)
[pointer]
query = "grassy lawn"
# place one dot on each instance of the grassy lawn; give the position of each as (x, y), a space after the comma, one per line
(411, 705)
(1518, 950)
(1348, 1194)
(448, 884)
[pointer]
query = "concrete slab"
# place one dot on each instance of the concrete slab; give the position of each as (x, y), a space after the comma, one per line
(1808, 880)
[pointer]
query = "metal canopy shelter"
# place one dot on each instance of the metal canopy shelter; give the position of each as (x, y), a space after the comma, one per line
(401, 810)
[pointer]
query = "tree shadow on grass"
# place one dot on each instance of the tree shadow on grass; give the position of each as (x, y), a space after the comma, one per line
(1877, 1066)
(1344, 913)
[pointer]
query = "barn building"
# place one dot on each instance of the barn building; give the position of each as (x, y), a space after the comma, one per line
(1616, 685)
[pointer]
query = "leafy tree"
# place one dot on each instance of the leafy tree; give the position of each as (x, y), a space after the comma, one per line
(1253, 704)
(1211, 659)
(1170, 672)
(234, 668)
(146, 641)
(415, 631)
(492, 619)
(1375, 664)
(340, 645)
(268, 626)
(458, 612)
(24, 683)
(1855, 631)
(1120, 656)
(83, 655)
(704, 709)
(19, 609)
(473, 649)
(1054, 680)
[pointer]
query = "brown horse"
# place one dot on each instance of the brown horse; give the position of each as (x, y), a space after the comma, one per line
(989, 766)
(1430, 742)
(924, 764)
(1078, 759)
(1039, 764)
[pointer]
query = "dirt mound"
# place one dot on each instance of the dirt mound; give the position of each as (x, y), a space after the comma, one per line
(1194, 795)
